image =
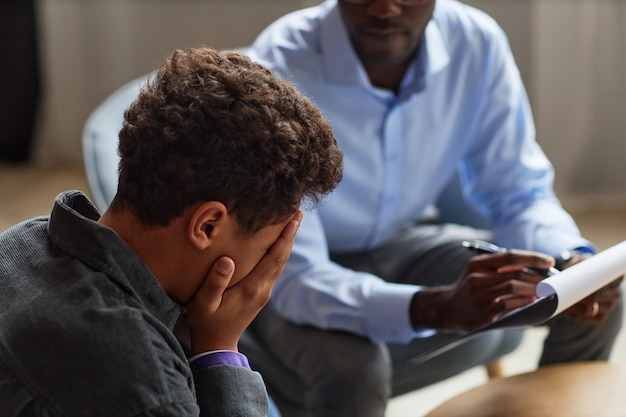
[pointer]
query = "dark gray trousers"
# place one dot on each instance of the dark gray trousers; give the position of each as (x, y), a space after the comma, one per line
(313, 372)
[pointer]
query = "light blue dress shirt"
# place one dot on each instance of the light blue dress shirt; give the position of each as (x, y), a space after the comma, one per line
(462, 105)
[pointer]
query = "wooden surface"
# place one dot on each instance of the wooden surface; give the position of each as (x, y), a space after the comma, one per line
(572, 390)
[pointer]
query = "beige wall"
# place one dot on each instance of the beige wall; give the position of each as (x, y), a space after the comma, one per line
(572, 55)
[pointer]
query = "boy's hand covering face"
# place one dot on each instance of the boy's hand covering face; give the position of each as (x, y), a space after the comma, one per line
(218, 314)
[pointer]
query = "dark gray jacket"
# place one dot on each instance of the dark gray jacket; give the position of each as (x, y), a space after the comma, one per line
(86, 330)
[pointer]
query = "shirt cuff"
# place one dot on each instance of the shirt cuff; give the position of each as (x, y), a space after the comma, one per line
(567, 255)
(218, 357)
(395, 324)
(586, 249)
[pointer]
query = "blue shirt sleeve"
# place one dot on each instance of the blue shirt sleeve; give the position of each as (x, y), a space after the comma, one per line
(506, 173)
(314, 290)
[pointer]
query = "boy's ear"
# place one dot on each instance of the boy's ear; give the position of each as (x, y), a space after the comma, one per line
(205, 222)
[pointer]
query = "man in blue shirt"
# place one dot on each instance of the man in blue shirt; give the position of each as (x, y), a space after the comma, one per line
(416, 91)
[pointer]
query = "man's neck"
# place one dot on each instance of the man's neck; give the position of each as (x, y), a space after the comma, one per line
(388, 77)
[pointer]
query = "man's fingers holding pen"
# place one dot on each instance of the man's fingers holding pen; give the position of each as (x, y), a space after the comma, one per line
(512, 260)
(498, 283)
(494, 285)
(497, 293)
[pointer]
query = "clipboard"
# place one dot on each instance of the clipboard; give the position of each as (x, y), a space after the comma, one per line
(555, 294)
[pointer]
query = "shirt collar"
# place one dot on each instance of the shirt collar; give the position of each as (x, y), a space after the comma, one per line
(342, 66)
(73, 228)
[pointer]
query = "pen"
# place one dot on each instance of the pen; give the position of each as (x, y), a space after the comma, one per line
(478, 246)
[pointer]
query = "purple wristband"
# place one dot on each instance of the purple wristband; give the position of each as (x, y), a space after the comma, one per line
(219, 357)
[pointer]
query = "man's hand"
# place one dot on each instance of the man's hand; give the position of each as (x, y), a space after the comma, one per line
(219, 314)
(492, 285)
(595, 308)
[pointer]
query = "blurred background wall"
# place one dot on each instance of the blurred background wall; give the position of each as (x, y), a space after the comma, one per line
(571, 53)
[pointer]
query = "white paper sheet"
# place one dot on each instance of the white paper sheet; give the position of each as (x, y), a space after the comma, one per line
(581, 280)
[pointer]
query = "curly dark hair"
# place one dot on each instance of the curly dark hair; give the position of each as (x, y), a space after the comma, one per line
(215, 126)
